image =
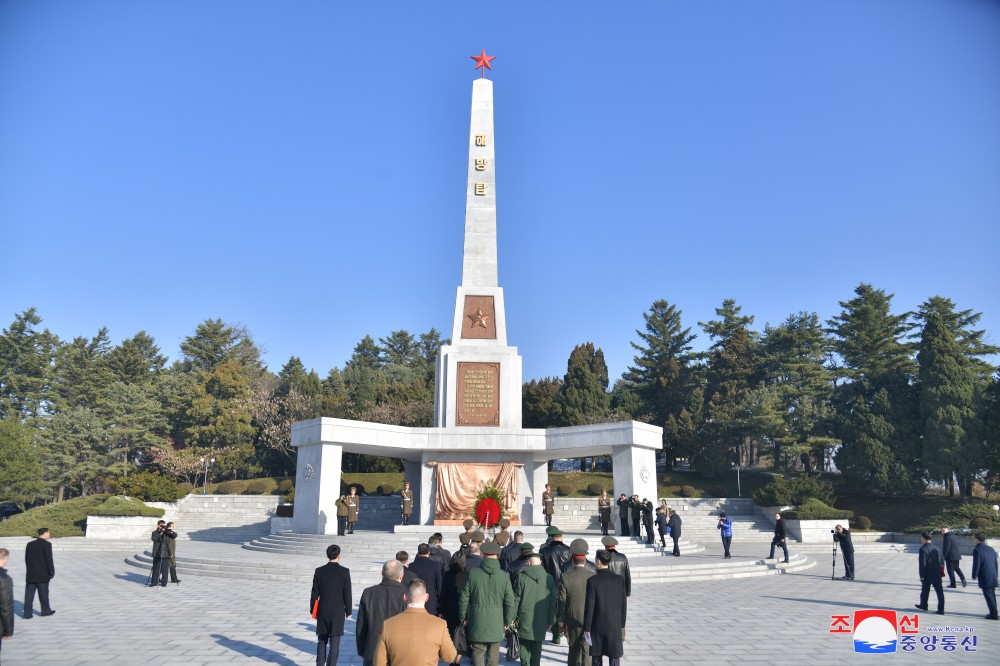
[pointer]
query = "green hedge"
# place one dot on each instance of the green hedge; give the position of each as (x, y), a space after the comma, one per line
(813, 509)
(961, 515)
(64, 519)
(780, 492)
(148, 487)
(123, 506)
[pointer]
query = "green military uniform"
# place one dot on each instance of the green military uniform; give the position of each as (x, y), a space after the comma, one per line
(548, 505)
(406, 505)
(536, 611)
(353, 506)
(502, 538)
(487, 602)
(342, 515)
(571, 606)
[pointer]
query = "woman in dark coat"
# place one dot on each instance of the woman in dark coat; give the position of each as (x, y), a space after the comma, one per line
(450, 591)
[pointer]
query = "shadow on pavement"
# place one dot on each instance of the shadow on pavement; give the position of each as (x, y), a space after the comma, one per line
(302, 644)
(133, 577)
(252, 651)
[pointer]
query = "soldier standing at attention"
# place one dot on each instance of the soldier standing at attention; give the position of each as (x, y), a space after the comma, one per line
(406, 503)
(353, 502)
(502, 537)
(604, 511)
(548, 504)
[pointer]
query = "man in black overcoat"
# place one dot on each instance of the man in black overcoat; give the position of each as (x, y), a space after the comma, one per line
(636, 507)
(427, 570)
(378, 604)
(842, 535)
(438, 552)
(161, 555)
(619, 563)
(605, 612)
(554, 556)
(6, 598)
(779, 537)
(512, 551)
(332, 586)
(984, 570)
(622, 503)
(647, 519)
(952, 554)
(39, 570)
(929, 562)
(675, 531)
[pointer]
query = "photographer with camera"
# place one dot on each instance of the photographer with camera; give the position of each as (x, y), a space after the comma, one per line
(779, 537)
(842, 536)
(725, 527)
(161, 554)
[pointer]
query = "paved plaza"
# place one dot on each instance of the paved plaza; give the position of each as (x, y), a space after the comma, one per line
(106, 617)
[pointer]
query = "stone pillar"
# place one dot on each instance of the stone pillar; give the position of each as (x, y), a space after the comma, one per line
(411, 473)
(317, 487)
(634, 470)
(540, 476)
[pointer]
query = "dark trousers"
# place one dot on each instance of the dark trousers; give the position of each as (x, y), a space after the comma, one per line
(548, 519)
(925, 592)
(323, 657)
(677, 549)
(531, 652)
(649, 531)
(160, 571)
(623, 524)
(784, 547)
(341, 525)
(350, 528)
(991, 600)
(406, 519)
(849, 564)
(636, 528)
(605, 519)
(579, 651)
(612, 661)
(726, 542)
(173, 575)
(29, 597)
(953, 568)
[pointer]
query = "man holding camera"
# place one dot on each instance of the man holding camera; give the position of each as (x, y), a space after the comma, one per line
(779, 537)
(161, 553)
(842, 535)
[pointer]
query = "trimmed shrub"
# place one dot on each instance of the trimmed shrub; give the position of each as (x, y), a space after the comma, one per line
(595, 489)
(260, 487)
(185, 487)
(813, 509)
(863, 523)
(779, 491)
(563, 491)
(148, 487)
(229, 488)
(285, 486)
(124, 506)
(687, 491)
(345, 488)
(290, 495)
(63, 519)
(980, 523)
(385, 489)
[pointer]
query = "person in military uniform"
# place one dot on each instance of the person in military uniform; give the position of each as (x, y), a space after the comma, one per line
(341, 515)
(515, 567)
(548, 504)
(502, 538)
(604, 511)
(622, 503)
(406, 503)
(572, 595)
(554, 556)
(571, 564)
(619, 563)
(466, 536)
(353, 501)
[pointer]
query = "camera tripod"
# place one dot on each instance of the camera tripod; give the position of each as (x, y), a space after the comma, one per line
(833, 572)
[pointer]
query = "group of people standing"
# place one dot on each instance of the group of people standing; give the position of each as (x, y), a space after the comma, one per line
(39, 570)
(484, 594)
(644, 516)
(933, 564)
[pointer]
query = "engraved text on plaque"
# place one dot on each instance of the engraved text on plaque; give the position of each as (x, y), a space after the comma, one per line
(478, 398)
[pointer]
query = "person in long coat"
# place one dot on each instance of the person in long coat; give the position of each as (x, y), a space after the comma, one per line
(647, 519)
(536, 609)
(984, 571)
(952, 554)
(415, 637)
(548, 504)
(605, 613)
(353, 501)
(778, 540)
(929, 563)
(341, 504)
(675, 531)
(378, 604)
(636, 506)
(427, 570)
(450, 591)
(39, 570)
(604, 511)
(571, 604)
(406, 503)
(619, 562)
(623, 506)
(332, 587)
(487, 605)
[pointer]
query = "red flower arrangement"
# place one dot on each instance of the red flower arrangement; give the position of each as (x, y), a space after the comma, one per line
(488, 509)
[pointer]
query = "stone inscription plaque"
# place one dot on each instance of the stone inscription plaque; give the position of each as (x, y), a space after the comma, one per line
(479, 318)
(478, 394)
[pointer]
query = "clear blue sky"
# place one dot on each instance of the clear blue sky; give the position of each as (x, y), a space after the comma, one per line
(299, 167)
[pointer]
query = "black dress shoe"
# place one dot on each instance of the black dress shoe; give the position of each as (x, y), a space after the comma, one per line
(993, 617)
(51, 612)
(939, 612)
(964, 583)
(952, 587)
(923, 608)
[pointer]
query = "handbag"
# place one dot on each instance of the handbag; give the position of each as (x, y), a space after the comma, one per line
(315, 611)
(942, 571)
(513, 646)
(458, 638)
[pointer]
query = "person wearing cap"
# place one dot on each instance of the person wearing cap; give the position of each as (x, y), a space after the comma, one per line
(341, 504)
(515, 568)
(604, 613)
(571, 600)
(353, 503)
(604, 510)
(930, 565)
(474, 557)
(429, 571)
(619, 563)
(575, 545)
(726, 530)
(487, 606)
(548, 503)
(502, 538)
(406, 503)
(554, 556)
(536, 609)
(512, 551)
(466, 536)
(623, 506)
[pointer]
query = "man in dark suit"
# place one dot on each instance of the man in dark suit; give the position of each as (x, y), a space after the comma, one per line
(930, 564)
(636, 507)
(427, 570)
(952, 554)
(408, 576)
(675, 531)
(622, 503)
(378, 604)
(984, 570)
(619, 563)
(332, 586)
(779, 537)
(6, 598)
(605, 610)
(39, 570)
(161, 555)
(438, 552)
(842, 535)
(512, 551)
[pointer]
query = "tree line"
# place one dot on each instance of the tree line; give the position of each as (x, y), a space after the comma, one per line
(894, 401)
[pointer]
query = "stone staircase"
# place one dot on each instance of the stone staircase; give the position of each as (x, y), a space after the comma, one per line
(223, 518)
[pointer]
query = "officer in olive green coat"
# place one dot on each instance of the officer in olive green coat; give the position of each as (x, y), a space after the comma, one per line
(406, 503)
(536, 609)
(353, 501)
(571, 606)
(502, 537)
(486, 604)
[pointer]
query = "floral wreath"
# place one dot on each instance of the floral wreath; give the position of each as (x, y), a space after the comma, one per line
(488, 508)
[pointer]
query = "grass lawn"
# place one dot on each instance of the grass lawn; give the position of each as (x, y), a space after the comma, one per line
(64, 519)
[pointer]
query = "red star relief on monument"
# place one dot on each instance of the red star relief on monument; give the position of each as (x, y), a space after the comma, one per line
(483, 61)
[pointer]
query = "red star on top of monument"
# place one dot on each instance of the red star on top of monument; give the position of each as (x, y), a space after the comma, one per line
(483, 61)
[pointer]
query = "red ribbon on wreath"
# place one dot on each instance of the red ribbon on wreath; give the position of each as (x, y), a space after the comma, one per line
(488, 512)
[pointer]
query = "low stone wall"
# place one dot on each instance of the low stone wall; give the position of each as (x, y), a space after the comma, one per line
(811, 531)
(120, 527)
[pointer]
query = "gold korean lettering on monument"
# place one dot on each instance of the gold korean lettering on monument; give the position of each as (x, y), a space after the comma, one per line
(478, 394)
